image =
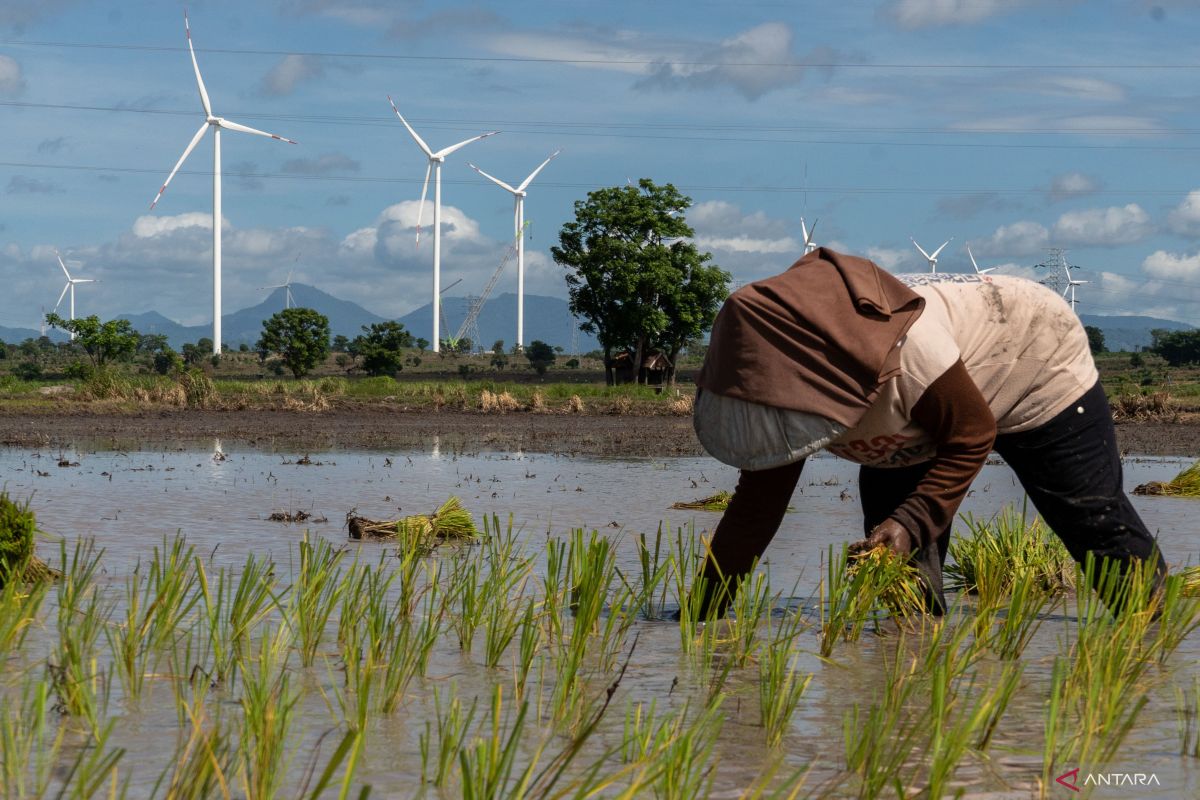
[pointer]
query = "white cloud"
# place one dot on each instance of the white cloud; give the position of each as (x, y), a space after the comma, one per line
(290, 72)
(1103, 226)
(890, 258)
(1022, 238)
(11, 82)
(723, 228)
(1161, 264)
(151, 225)
(931, 13)
(1077, 87)
(1072, 184)
(1184, 219)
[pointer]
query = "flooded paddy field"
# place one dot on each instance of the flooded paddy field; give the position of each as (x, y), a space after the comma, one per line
(378, 679)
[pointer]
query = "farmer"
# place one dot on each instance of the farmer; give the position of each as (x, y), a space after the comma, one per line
(916, 378)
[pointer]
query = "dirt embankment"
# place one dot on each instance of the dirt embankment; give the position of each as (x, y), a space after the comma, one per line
(381, 428)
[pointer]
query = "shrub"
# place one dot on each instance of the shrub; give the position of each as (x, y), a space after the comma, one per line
(28, 370)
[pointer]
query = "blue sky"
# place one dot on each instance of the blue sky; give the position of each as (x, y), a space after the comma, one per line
(1012, 126)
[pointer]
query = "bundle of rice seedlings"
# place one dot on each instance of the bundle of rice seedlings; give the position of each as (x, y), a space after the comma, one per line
(537, 402)
(1191, 581)
(491, 402)
(681, 406)
(17, 528)
(425, 531)
(575, 404)
(716, 502)
(891, 581)
(988, 561)
(1185, 484)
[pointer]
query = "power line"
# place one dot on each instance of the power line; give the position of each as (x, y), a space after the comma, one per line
(983, 66)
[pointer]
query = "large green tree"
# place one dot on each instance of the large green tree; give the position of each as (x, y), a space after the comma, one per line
(1177, 347)
(299, 335)
(634, 277)
(103, 342)
(381, 349)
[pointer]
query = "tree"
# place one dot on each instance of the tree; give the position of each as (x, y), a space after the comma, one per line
(103, 342)
(341, 343)
(299, 335)
(634, 278)
(151, 343)
(1176, 347)
(421, 343)
(1095, 339)
(382, 348)
(498, 346)
(540, 355)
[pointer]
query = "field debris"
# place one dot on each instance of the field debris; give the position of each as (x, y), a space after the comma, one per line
(294, 516)
(716, 502)
(1185, 484)
(449, 522)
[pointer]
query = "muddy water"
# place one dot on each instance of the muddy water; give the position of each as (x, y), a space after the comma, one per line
(221, 498)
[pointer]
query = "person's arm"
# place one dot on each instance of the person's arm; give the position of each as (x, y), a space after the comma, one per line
(955, 415)
(747, 527)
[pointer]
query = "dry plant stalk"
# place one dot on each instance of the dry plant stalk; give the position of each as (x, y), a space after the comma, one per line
(493, 402)
(575, 404)
(681, 406)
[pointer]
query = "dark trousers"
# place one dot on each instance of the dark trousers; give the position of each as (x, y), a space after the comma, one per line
(1071, 470)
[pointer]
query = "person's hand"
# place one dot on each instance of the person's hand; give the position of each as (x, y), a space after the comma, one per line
(889, 534)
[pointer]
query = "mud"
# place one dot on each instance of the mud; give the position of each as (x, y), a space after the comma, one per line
(364, 428)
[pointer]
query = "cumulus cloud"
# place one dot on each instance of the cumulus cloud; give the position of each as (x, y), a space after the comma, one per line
(890, 258)
(1184, 219)
(1078, 87)
(721, 227)
(1161, 264)
(1103, 226)
(911, 14)
(291, 71)
(11, 82)
(1022, 238)
(324, 164)
(152, 225)
(20, 184)
(1072, 184)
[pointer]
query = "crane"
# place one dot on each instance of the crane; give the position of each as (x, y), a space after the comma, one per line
(470, 323)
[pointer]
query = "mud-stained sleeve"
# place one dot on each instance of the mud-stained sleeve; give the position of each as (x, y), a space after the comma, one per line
(955, 415)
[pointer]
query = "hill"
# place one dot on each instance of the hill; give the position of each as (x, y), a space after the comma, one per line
(1130, 333)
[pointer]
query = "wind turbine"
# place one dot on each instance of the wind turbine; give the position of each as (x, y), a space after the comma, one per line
(976, 266)
(216, 124)
(435, 166)
(1071, 284)
(70, 287)
(808, 234)
(287, 286)
(518, 233)
(932, 259)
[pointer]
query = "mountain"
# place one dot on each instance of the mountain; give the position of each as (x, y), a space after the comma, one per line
(18, 335)
(546, 318)
(1130, 333)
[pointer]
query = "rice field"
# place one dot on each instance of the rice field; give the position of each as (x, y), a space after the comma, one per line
(195, 648)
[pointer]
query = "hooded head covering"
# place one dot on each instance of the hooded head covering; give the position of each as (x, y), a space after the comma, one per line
(820, 338)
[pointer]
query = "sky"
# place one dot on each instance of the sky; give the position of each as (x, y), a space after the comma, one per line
(1012, 126)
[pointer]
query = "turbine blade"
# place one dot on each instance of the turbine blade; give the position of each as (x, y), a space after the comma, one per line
(191, 146)
(196, 66)
(289, 280)
(804, 232)
(83, 280)
(447, 151)
(940, 249)
(813, 230)
(525, 183)
(62, 264)
(420, 142)
(493, 179)
(421, 208)
(972, 255)
(922, 249)
(986, 271)
(61, 296)
(234, 126)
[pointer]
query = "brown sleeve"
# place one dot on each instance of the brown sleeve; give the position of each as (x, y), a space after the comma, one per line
(955, 415)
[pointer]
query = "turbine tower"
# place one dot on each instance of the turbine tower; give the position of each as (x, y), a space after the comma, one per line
(519, 234)
(1071, 284)
(932, 259)
(978, 271)
(70, 287)
(808, 234)
(216, 124)
(287, 287)
(435, 166)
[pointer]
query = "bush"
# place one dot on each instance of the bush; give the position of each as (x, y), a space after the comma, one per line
(28, 370)
(78, 371)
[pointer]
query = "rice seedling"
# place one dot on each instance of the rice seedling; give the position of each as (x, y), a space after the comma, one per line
(128, 639)
(528, 645)
(654, 571)
(29, 747)
(204, 760)
(17, 529)
(170, 592)
(685, 765)
(449, 522)
(501, 624)
(1190, 577)
(233, 609)
(1019, 619)
(83, 613)
(94, 766)
(315, 595)
(19, 607)
(487, 763)
(1175, 616)
(780, 689)
(411, 643)
(860, 590)
(492, 594)
(268, 704)
(986, 562)
(750, 606)
(440, 747)
(1187, 709)
(1185, 484)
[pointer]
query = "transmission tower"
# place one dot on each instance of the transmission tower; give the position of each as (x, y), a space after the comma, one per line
(1056, 264)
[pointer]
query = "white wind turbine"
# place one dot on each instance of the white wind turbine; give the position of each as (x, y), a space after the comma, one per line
(216, 124)
(70, 287)
(287, 287)
(1071, 284)
(932, 259)
(518, 233)
(976, 266)
(435, 166)
(808, 234)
